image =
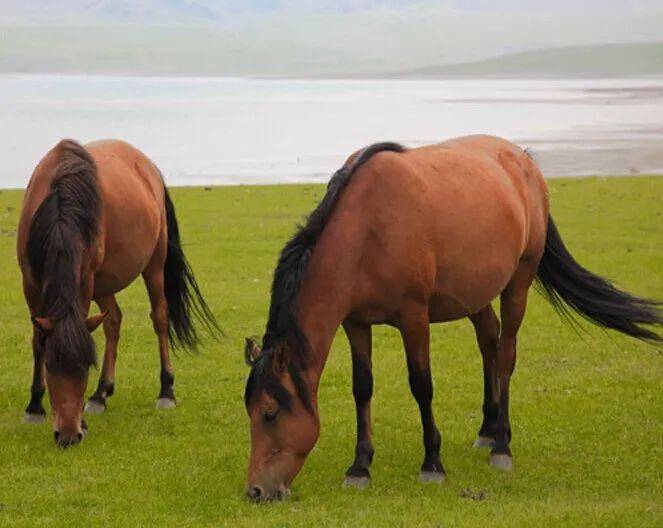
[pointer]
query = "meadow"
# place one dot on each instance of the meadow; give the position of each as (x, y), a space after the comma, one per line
(586, 406)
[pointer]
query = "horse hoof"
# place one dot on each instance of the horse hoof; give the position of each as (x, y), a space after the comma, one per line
(432, 476)
(95, 407)
(359, 483)
(165, 403)
(501, 461)
(483, 441)
(33, 418)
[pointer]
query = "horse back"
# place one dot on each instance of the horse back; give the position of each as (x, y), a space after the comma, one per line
(444, 224)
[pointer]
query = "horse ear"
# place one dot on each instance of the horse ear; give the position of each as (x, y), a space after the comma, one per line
(42, 323)
(94, 321)
(252, 352)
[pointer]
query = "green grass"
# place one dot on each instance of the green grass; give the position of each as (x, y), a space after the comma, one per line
(587, 409)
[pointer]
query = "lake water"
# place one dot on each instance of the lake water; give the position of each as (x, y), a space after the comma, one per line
(223, 131)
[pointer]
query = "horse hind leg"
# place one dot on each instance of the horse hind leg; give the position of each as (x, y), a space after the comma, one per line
(106, 387)
(487, 329)
(154, 282)
(512, 310)
(359, 335)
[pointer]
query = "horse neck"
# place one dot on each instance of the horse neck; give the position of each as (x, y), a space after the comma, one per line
(62, 292)
(324, 298)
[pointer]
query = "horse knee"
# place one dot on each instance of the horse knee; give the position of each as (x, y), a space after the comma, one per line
(112, 325)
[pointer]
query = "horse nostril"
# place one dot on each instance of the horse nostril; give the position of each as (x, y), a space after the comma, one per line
(56, 435)
(254, 493)
(79, 436)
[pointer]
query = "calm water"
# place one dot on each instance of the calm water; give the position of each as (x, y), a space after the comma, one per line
(221, 131)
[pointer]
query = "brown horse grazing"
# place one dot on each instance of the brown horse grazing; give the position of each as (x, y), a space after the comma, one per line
(94, 218)
(407, 238)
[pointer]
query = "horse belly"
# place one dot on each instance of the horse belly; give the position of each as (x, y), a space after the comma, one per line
(476, 258)
(132, 229)
(451, 302)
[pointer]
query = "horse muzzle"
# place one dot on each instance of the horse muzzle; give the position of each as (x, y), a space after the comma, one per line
(257, 493)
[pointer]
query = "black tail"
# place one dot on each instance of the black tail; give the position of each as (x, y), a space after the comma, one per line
(182, 292)
(567, 284)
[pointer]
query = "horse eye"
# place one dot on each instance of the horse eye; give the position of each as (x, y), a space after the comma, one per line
(270, 416)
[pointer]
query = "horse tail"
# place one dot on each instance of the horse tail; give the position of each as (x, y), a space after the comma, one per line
(185, 301)
(566, 284)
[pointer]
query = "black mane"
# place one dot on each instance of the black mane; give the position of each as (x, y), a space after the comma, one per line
(283, 330)
(66, 223)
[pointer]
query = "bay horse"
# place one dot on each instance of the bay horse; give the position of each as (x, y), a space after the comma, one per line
(95, 217)
(409, 237)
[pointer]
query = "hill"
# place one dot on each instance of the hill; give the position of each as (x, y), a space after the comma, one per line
(605, 60)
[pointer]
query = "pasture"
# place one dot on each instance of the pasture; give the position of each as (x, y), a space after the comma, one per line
(586, 407)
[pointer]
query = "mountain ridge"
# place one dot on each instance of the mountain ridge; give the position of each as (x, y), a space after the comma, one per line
(610, 59)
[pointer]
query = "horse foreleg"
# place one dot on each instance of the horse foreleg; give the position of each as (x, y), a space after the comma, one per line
(359, 335)
(35, 412)
(106, 387)
(154, 281)
(415, 333)
(487, 329)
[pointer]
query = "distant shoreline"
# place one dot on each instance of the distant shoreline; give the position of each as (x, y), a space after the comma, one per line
(332, 77)
(216, 130)
(656, 174)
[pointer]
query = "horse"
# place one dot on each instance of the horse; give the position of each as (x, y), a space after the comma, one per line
(410, 237)
(94, 217)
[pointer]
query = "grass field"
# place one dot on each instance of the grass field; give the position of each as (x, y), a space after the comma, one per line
(587, 409)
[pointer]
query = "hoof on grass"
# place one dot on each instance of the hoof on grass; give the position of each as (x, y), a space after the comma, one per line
(359, 483)
(95, 407)
(501, 461)
(432, 476)
(166, 403)
(30, 418)
(483, 441)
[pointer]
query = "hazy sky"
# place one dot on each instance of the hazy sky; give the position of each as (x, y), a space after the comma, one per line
(417, 32)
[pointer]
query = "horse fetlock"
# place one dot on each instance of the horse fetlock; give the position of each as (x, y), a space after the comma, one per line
(167, 394)
(433, 465)
(35, 406)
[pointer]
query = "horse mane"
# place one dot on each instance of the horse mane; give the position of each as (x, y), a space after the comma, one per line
(65, 224)
(284, 334)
